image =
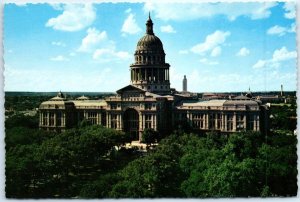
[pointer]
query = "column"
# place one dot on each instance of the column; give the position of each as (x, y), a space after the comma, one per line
(155, 126)
(257, 123)
(121, 122)
(245, 121)
(144, 120)
(168, 74)
(216, 120)
(118, 122)
(146, 75)
(158, 79)
(206, 121)
(225, 122)
(140, 123)
(63, 119)
(54, 118)
(152, 121)
(40, 115)
(107, 120)
(48, 118)
(140, 74)
(234, 121)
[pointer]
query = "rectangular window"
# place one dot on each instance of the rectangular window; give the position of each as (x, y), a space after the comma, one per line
(114, 121)
(45, 119)
(148, 106)
(148, 121)
(229, 122)
(58, 118)
(51, 119)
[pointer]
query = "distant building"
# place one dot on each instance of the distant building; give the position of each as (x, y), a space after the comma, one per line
(184, 84)
(149, 102)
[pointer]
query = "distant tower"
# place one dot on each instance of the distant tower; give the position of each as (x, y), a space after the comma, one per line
(281, 92)
(184, 84)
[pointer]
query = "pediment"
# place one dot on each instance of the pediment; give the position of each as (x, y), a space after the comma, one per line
(130, 89)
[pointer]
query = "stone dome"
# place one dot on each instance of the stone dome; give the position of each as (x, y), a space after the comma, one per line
(149, 42)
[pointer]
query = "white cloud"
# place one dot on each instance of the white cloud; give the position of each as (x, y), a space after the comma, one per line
(283, 54)
(292, 28)
(58, 43)
(167, 29)
(277, 30)
(93, 38)
(74, 17)
(128, 10)
(20, 4)
(207, 62)
(59, 58)
(189, 11)
(279, 56)
(212, 41)
(107, 55)
(101, 47)
(130, 26)
(290, 9)
(243, 52)
(216, 51)
(57, 6)
(280, 31)
(259, 64)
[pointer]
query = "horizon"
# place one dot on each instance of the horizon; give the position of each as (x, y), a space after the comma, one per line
(46, 50)
(108, 92)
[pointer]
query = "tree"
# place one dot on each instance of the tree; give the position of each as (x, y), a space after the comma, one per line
(149, 136)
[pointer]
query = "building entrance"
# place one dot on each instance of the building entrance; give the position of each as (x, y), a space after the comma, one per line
(131, 123)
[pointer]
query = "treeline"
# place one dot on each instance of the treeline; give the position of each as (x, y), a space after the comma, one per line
(283, 117)
(91, 162)
(21, 103)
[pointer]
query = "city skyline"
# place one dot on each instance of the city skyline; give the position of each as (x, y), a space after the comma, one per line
(50, 47)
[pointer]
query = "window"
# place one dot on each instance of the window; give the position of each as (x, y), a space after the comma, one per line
(148, 106)
(45, 119)
(229, 122)
(148, 122)
(114, 121)
(58, 118)
(239, 122)
(51, 119)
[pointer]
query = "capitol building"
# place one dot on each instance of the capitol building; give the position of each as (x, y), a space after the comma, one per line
(149, 102)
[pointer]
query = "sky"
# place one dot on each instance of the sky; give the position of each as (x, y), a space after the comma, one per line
(220, 47)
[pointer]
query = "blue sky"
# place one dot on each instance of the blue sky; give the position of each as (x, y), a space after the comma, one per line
(221, 47)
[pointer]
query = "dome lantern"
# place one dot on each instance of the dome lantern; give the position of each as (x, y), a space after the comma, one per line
(149, 26)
